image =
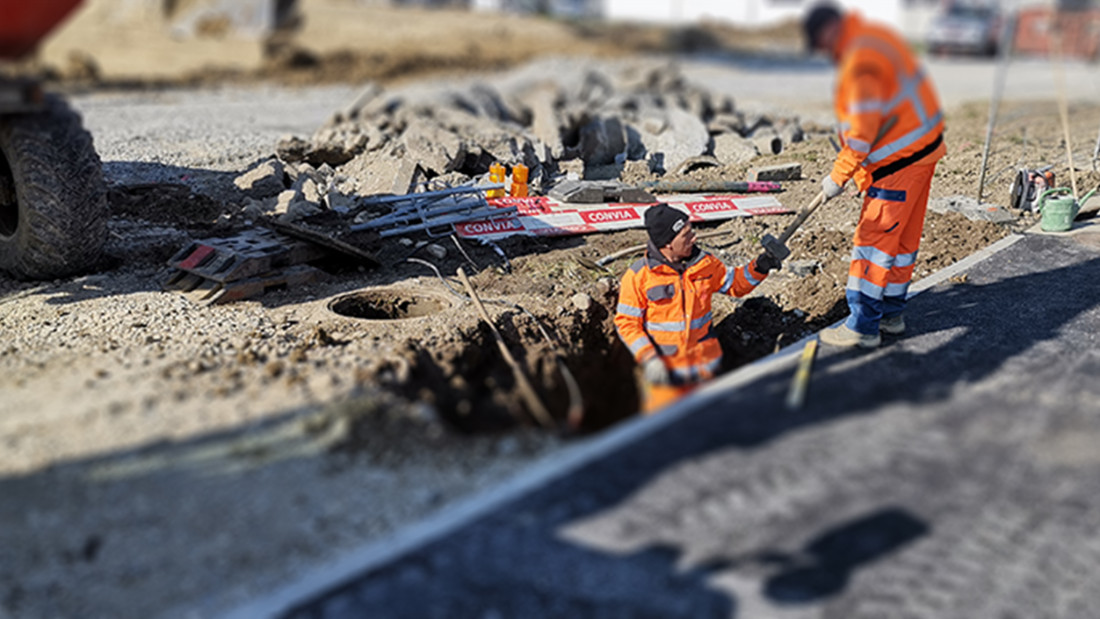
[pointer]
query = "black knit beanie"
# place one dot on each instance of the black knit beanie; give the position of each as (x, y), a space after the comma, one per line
(663, 223)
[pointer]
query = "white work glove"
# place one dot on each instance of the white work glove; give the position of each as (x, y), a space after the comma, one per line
(830, 188)
(656, 373)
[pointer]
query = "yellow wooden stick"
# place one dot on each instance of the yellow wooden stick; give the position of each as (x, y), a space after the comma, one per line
(797, 395)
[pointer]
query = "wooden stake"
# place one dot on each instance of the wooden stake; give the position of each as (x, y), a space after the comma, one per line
(797, 395)
(526, 391)
(1063, 107)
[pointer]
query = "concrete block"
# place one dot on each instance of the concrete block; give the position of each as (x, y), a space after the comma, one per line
(781, 172)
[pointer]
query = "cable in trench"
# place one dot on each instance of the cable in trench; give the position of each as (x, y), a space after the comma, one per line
(575, 414)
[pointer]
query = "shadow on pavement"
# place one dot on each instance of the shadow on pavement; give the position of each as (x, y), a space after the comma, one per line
(827, 563)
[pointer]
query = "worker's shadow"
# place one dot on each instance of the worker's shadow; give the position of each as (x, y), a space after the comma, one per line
(828, 561)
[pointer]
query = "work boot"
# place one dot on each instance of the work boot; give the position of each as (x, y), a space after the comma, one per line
(894, 325)
(844, 337)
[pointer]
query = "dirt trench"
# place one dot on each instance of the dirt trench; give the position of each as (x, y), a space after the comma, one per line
(473, 389)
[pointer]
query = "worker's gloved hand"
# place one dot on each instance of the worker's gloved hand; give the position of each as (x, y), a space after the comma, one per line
(656, 372)
(830, 188)
(766, 262)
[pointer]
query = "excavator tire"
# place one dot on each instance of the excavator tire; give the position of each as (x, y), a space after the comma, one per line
(53, 199)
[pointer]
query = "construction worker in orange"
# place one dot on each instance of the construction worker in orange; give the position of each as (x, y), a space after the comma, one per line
(891, 130)
(664, 313)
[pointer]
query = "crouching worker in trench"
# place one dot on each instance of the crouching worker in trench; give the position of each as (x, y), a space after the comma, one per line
(664, 314)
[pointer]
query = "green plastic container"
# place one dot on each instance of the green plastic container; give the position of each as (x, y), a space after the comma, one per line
(1058, 214)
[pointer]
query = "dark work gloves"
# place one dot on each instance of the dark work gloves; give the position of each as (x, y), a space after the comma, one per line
(766, 262)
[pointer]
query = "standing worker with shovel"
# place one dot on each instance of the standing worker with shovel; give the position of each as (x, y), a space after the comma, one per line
(891, 128)
(664, 313)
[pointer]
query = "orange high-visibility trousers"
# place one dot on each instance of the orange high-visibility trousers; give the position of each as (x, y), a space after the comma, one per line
(656, 397)
(885, 248)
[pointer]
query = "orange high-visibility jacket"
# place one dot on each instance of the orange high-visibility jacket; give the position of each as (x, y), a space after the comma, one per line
(888, 111)
(667, 311)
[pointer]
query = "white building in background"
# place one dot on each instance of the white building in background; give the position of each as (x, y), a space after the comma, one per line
(748, 13)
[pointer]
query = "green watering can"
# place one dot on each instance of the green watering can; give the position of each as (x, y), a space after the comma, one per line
(1057, 214)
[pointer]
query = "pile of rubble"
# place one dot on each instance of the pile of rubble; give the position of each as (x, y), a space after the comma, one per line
(634, 121)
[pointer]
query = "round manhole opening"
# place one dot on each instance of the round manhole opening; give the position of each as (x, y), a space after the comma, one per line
(389, 304)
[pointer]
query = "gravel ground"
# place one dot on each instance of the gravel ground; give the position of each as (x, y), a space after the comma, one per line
(157, 459)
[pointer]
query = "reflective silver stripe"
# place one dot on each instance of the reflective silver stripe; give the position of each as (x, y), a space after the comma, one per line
(906, 140)
(696, 372)
(713, 366)
(748, 276)
(905, 260)
(909, 91)
(665, 326)
(896, 290)
(858, 145)
(637, 345)
(702, 321)
(863, 286)
(862, 107)
(726, 285)
(873, 255)
(668, 349)
(685, 374)
(630, 310)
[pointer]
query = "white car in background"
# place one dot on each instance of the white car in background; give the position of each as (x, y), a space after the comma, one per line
(965, 29)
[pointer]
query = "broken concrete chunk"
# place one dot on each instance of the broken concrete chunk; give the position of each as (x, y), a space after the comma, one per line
(369, 93)
(282, 203)
(767, 141)
(339, 202)
(601, 140)
(781, 172)
(432, 146)
(970, 208)
(545, 122)
(791, 133)
(725, 123)
(599, 192)
(407, 176)
(685, 137)
(572, 168)
(292, 149)
(436, 251)
(696, 163)
(581, 301)
(262, 180)
(256, 209)
(336, 146)
(308, 190)
(731, 148)
(636, 169)
(802, 268)
(300, 209)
